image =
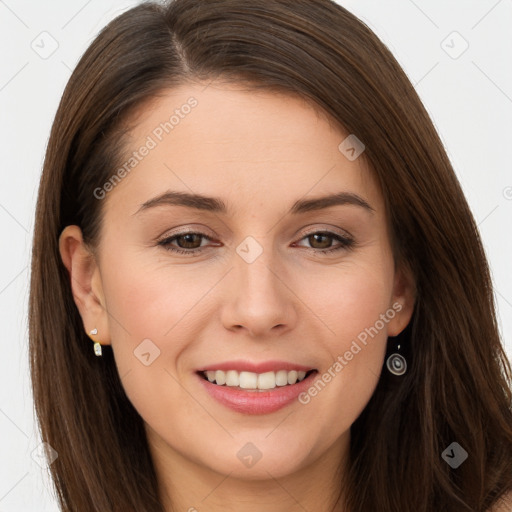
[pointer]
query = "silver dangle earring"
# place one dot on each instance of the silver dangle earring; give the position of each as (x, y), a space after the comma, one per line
(396, 362)
(97, 346)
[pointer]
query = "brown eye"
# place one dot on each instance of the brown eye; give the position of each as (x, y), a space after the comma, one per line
(186, 243)
(321, 242)
(189, 240)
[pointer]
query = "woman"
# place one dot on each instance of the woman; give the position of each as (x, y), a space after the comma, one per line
(246, 208)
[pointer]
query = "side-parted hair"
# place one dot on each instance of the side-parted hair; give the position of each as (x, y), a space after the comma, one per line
(458, 385)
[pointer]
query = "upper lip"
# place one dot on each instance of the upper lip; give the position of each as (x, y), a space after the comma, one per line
(255, 367)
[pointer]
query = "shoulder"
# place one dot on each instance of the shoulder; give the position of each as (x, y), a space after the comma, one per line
(503, 505)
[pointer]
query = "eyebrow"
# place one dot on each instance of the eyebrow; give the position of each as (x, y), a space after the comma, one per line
(217, 205)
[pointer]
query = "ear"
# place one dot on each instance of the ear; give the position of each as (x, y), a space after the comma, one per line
(86, 285)
(403, 300)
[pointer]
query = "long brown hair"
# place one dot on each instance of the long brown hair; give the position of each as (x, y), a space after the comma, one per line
(458, 386)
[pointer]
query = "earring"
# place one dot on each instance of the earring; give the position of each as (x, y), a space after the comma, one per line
(396, 363)
(97, 346)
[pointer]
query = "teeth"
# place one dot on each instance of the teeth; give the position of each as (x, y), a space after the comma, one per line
(249, 380)
(266, 380)
(281, 378)
(292, 377)
(232, 378)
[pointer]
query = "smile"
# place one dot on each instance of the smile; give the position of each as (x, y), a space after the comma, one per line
(278, 389)
(255, 381)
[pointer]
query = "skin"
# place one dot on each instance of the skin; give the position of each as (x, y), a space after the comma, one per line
(259, 152)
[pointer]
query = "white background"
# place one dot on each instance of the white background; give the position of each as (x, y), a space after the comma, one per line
(469, 99)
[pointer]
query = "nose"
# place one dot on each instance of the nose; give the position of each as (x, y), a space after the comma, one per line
(259, 298)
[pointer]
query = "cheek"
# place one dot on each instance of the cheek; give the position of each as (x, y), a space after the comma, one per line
(356, 308)
(152, 302)
(351, 299)
(148, 311)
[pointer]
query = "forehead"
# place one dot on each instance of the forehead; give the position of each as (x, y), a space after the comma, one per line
(254, 147)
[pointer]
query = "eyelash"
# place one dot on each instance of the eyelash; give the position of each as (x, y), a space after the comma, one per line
(345, 242)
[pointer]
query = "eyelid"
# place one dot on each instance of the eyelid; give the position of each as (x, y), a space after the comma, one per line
(185, 231)
(346, 242)
(326, 228)
(301, 234)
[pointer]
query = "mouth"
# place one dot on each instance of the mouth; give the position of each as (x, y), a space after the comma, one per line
(250, 381)
(248, 392)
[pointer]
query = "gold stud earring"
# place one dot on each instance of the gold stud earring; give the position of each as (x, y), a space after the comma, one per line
(97, 346)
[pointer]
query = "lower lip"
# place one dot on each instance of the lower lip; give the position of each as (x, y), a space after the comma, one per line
(257, 402)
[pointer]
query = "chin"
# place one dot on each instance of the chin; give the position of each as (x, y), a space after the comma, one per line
(261, 459)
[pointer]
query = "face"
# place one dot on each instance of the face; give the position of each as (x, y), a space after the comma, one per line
(257, 279)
